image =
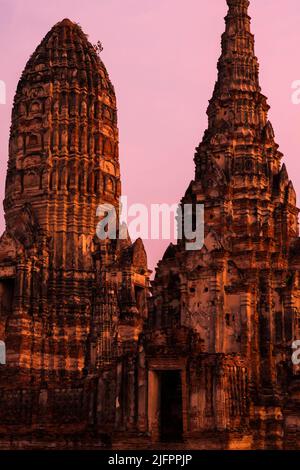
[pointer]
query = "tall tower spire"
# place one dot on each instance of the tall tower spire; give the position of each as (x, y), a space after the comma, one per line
(237, 110)
(232, 294)
(238, 66)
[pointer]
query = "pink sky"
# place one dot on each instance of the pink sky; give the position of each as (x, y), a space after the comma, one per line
(161, 56)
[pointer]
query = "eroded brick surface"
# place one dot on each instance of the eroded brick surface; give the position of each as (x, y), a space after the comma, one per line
(92, 360)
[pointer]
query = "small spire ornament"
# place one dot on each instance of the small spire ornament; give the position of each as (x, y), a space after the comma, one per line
(98, 47)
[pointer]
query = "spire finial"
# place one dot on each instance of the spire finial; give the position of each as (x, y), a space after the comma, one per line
(238, 66)
(238, 15)
(238, 3)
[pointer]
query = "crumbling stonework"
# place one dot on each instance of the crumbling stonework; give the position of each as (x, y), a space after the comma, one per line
(71, 305)
(238, 295)
(92, 360)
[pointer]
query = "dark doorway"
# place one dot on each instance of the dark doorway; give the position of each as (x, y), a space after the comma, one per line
(171, 424)
(7, 287)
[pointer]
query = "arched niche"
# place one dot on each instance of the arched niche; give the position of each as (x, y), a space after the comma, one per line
(35, 107)
(109, 185)
(31, 180)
